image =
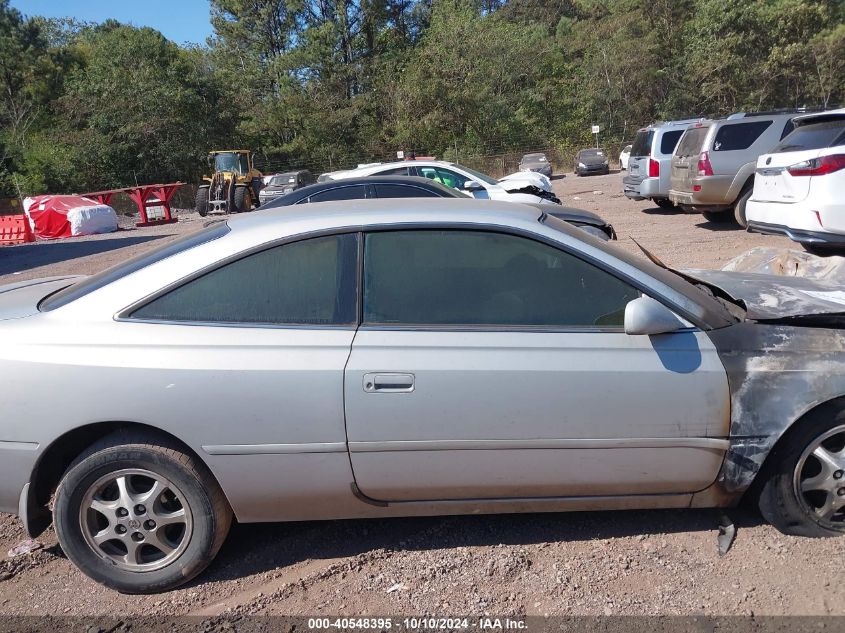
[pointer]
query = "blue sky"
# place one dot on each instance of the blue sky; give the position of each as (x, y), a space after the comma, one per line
(179, 20)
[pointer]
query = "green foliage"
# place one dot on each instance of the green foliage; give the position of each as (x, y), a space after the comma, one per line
(325, 84)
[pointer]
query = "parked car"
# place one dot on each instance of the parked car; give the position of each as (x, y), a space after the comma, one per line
(280, 184)
(650, 165)
(713, 165)
(591, 161)
(624, 155)
(417, 187)
(381, 358)
(799, 187)
(536, 162)
(518, 187)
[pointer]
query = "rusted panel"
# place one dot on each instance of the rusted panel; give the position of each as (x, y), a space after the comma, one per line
(776, 373)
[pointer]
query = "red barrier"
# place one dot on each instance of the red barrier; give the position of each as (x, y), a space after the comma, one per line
(144, 197)
(15, 229)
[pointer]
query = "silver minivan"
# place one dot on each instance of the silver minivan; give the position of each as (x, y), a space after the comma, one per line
(649, 166)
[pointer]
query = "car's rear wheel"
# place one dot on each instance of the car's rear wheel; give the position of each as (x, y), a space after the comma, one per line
(804, 488)
(664, 203)
(139, 515)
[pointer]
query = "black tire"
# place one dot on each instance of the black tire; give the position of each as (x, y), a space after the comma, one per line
(779, 501)
(718, 216)
(201, 201)
(664, 203)
(242, 200)
(739, 207)
(209, 511)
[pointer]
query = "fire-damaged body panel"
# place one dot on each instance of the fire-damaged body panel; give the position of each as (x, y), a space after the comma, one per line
(775, 297)
(784, 360)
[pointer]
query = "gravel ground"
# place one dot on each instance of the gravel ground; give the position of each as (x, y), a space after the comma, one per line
(602, 563)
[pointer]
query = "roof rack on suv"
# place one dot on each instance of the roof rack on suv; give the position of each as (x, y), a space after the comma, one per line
(803, 110)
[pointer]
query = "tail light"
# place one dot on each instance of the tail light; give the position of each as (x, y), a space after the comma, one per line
(704, 166)
(818, 166)
(653, 168)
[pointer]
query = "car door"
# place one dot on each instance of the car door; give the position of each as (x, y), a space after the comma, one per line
(490, 365)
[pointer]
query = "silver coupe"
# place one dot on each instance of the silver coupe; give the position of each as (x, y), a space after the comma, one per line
(381, 358)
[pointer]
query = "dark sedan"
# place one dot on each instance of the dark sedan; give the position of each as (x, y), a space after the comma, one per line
(591, 161)
(415, 187)
(536, 162)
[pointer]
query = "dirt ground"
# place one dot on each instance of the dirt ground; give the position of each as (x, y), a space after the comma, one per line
(603, 563)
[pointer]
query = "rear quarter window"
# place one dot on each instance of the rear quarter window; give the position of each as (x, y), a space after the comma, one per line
(669, 141)
(738, 136)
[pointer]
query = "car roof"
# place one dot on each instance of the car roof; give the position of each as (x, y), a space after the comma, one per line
(819, 117)
(320, 216)
(310, 190)
(534, 155)
(375, 167)
(664, 125)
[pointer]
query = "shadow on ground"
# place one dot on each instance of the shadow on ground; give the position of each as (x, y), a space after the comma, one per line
(256, 548)
(664, 211)
(720, 226)
(28, 256)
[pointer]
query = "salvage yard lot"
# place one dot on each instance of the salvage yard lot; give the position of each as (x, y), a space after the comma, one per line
(658, 562)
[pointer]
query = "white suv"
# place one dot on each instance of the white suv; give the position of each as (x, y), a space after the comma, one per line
(799, 188)
(525, 186)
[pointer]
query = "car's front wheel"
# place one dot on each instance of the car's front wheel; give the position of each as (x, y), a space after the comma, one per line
(140, 515)
(804, 490)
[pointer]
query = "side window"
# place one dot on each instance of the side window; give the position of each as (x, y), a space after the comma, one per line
(483, 278)
(738, 135)
(787, 128)
(444, 176)
(311, 282)
(669, 141)
(351, 192)
(399, 171)
(403, 191)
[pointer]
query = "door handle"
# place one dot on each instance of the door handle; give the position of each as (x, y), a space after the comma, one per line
(388, 383)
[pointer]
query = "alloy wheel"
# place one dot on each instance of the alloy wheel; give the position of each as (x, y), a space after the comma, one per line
(819, 478)
(136, 519)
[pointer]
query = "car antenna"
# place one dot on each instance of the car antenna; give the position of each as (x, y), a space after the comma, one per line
(654, 258)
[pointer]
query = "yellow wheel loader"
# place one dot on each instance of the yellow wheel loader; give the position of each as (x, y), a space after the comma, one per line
(234, 185)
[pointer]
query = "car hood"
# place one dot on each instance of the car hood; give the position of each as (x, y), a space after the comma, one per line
(774, 297)
(521, 179)
(579, 216)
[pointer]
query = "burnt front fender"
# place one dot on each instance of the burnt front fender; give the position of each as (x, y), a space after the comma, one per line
(777, 374)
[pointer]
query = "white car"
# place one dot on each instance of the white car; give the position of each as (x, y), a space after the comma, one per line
(624, 155)
(517, 187)
(799, 188)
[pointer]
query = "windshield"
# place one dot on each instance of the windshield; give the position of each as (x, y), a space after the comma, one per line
(283, 179)
(230, 161)
(477, 175)
(813, 136)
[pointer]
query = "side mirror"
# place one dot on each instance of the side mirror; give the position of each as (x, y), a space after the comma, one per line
(647, 316)
(472, 186)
